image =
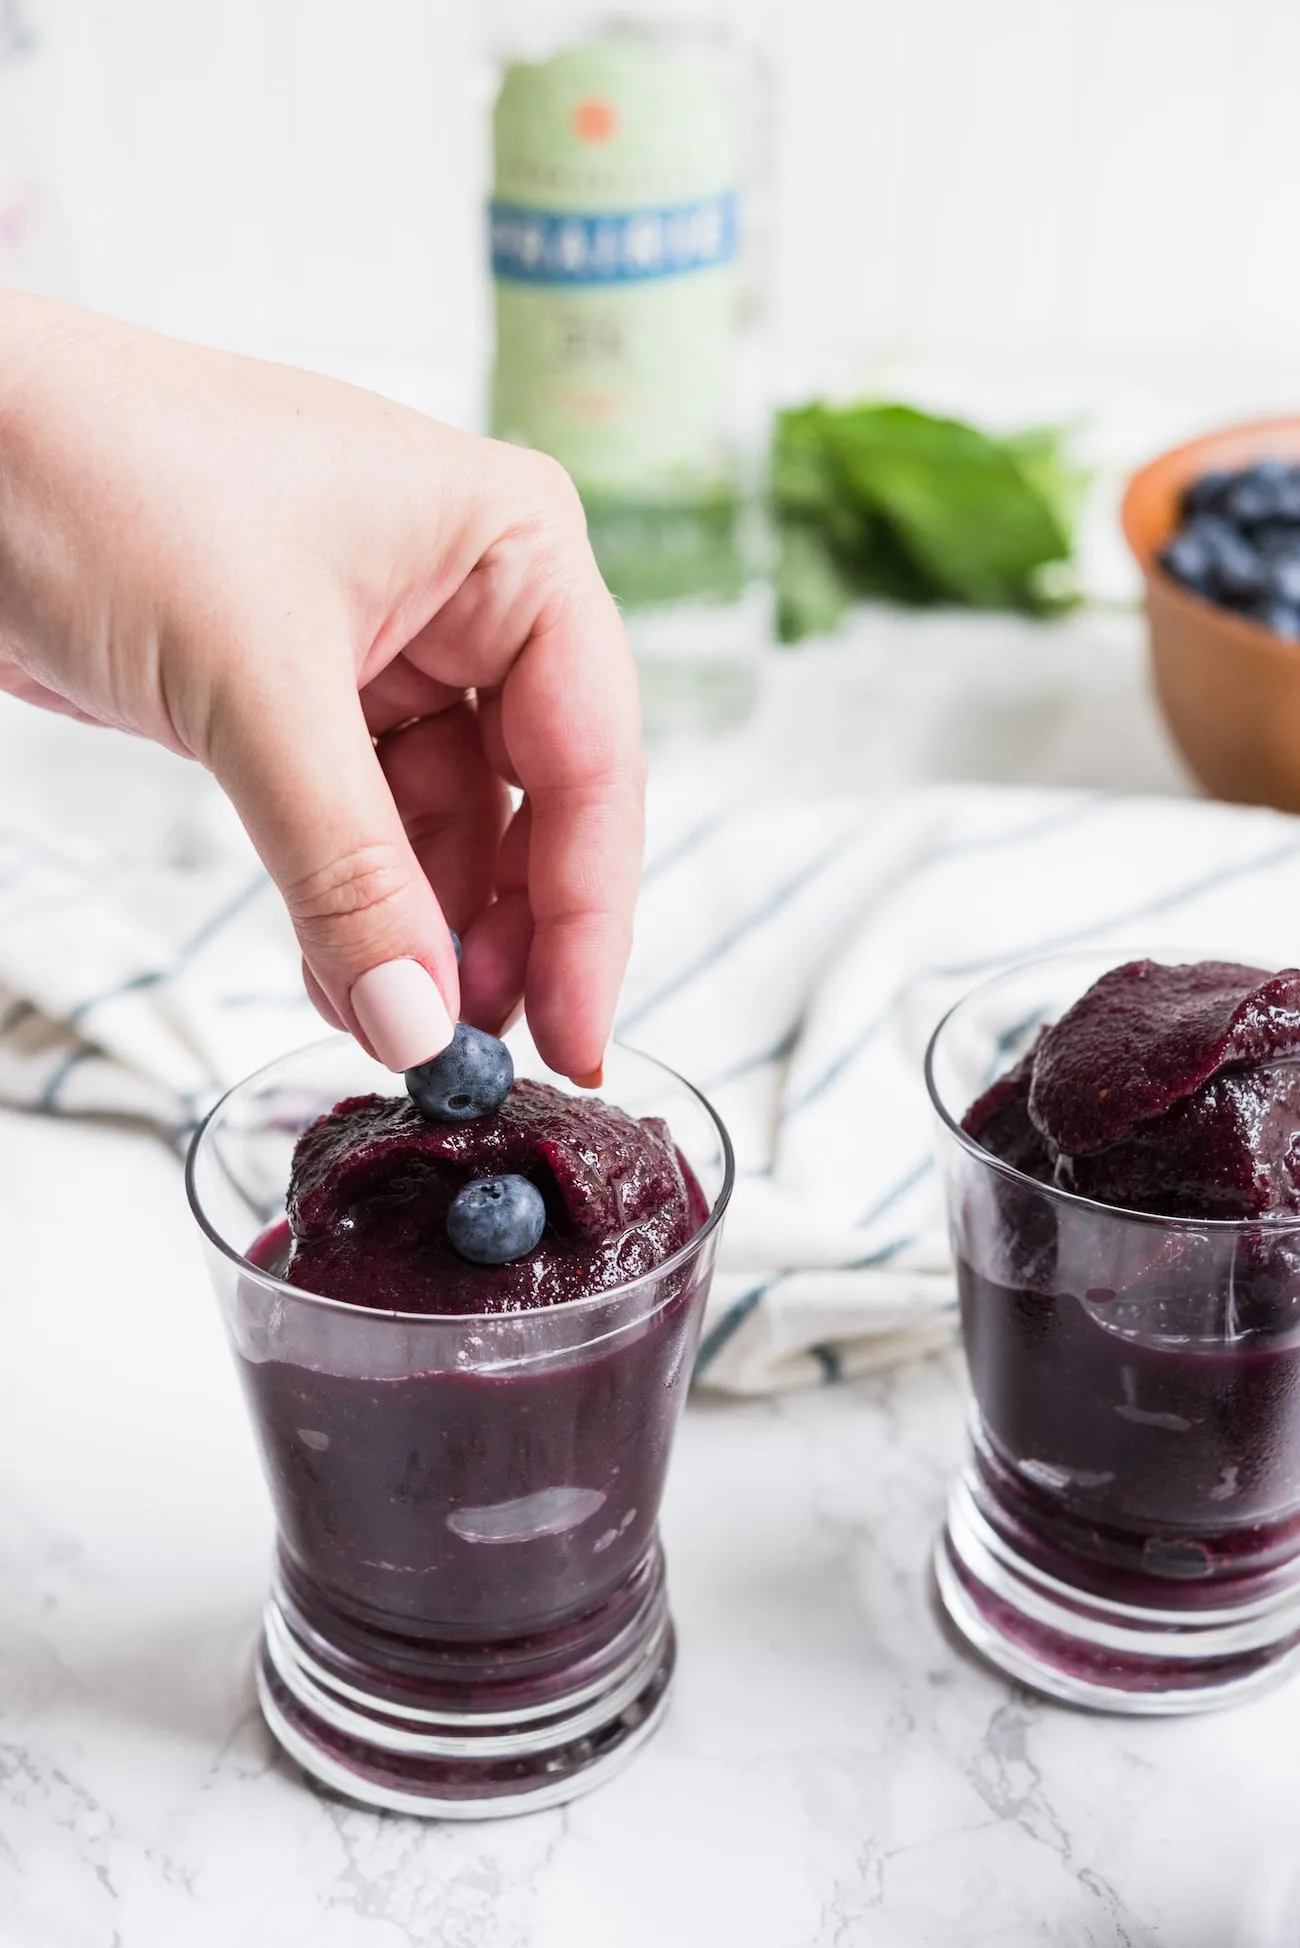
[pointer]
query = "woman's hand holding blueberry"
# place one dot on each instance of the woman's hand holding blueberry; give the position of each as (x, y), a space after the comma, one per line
(367, 626)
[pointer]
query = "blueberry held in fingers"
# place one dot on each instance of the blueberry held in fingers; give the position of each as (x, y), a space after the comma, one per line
(495, 1220)
(471, 1077)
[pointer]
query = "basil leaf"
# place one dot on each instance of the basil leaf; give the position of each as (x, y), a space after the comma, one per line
(917, 508)
(812, 590)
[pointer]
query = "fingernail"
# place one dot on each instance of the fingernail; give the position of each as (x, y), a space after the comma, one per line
(402, 1014)
(592, 1080)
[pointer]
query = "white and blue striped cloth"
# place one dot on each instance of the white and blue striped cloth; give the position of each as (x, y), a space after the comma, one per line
(791, 959)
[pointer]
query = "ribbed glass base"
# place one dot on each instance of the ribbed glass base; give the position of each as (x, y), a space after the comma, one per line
(1164, 1655)
(499, 1745)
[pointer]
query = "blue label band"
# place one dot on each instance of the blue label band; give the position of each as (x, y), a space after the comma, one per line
(531, 246)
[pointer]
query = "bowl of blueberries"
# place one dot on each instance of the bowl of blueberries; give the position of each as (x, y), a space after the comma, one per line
(1215, 526)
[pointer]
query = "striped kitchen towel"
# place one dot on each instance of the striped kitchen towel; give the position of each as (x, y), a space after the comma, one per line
(792, 959)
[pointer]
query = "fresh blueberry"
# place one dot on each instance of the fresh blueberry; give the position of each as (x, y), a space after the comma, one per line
(1248, 503)
(496, 1220)
(1190, 559)
(1234, 569)
(471, 1077)
(1276, 538)
(455, 943)
(1205, 495)
(1238, 573)
(1257, 493)
(1283, 618)
(1281, 580)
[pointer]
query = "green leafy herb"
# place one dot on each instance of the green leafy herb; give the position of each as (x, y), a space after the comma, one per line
(884, 500)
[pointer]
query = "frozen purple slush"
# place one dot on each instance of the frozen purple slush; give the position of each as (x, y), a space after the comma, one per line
(1138, 1383)
(1145, 1036)
(373, 1180)
(1164, 1089)
(473, 1508)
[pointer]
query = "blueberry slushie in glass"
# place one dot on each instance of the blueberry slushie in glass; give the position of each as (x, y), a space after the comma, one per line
(464, 1318)
(1121, 1151)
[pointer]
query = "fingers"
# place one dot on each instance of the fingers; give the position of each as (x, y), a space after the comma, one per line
(495, 963)
(513, 610)
(320, 1001)
(533, 628)
(570, 723)
(16, 683)
(494, 968)
(456, 811)
(401, 693)
(290, 746)
(453, 806)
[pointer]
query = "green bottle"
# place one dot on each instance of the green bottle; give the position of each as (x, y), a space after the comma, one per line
(618, 225)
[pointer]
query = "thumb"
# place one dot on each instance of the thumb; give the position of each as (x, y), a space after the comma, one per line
(309, 790)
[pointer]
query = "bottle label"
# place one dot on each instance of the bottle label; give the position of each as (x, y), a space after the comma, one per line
(531, 246)
(615, 226)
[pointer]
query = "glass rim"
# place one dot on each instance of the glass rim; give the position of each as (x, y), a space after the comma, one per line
(566, 1308)
(1224, 1226)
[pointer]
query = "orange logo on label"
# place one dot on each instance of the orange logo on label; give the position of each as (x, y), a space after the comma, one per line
(595, 120)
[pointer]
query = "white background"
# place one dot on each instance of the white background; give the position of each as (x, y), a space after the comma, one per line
(1103, 187)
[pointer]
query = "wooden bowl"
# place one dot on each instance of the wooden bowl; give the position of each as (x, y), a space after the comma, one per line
(1229, 688)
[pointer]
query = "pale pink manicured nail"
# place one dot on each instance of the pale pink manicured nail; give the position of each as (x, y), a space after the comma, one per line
(402, 1014)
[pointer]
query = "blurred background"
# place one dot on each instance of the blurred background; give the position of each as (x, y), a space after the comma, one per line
(1072, 212)
(1102, 185)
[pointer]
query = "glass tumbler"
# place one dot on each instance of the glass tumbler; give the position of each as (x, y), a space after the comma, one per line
(1126, 1530)
(468, 1615)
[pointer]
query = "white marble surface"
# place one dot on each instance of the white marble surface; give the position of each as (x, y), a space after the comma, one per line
(834, 1770)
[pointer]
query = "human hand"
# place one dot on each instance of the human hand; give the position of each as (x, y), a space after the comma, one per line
(368, 627)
